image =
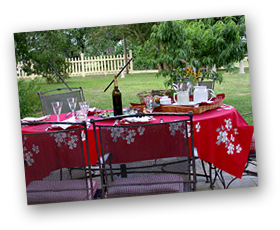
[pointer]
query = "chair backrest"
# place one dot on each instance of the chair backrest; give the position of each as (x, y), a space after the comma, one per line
(47, 154)
(203, 81)
(60, 94)
(170, 137)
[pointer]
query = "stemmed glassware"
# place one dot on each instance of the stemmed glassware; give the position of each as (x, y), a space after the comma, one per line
(72, 102)
(57, 105)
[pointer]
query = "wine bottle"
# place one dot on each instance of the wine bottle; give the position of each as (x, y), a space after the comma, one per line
(117, 99)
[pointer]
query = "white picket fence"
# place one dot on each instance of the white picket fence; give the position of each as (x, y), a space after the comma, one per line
(83, 66)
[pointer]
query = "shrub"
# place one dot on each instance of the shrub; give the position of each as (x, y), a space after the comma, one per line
(29, 102)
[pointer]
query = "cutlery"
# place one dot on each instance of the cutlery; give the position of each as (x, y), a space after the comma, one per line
(47, 129)
(68, 114)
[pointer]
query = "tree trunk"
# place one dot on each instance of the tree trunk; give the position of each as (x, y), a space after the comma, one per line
(125, 54)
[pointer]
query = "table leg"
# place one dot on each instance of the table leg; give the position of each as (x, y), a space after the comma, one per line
(210, 176)
(212, 180)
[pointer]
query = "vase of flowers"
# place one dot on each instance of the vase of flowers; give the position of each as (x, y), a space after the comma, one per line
(190, 74)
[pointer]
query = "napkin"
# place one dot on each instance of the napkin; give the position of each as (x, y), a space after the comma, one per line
(30, 119)
(94, 110)
(64, 126)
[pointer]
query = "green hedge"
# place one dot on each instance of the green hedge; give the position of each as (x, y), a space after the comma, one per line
(29, 101)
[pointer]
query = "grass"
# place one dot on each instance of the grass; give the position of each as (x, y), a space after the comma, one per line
(237, 90)
(235, 86)
(94, 86)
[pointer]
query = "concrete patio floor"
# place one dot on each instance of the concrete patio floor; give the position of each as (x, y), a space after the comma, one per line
(244, 182)
(202, 185)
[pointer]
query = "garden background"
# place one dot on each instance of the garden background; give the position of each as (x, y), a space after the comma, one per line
(209, 46)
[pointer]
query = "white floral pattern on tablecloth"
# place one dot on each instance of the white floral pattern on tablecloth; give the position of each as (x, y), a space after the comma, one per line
(226, 136)
(28, 153)
(179, 127)
(66, 139)
(127, 134)
(173, 127)
(61, 139)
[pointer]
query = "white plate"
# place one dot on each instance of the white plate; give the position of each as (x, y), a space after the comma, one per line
(137, 119)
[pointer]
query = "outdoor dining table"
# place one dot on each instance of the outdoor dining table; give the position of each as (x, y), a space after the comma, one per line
(221, 136)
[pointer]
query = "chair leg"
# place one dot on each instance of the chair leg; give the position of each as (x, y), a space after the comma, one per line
(123, 171)
(70, 172)
(61, 174)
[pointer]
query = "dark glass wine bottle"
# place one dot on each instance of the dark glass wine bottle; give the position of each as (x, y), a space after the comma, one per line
(117, 99)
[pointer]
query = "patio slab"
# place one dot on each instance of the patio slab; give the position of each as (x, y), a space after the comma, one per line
(246, 181)
(202, 185)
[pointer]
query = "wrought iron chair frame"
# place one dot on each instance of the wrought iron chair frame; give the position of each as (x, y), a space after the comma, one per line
(55, 93)
(204, 81)
(123, 170)
(79, 127)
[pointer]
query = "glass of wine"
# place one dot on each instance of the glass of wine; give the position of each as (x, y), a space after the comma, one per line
(57, 105)
(72, 102)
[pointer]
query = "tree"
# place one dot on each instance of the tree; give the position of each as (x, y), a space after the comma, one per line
(38, 47)
(77, 40)
(167, 49)
(103, 40)
(199, 43)
(35, 49)
(118, 39)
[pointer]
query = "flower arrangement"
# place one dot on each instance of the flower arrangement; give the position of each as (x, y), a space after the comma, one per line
(190, 73)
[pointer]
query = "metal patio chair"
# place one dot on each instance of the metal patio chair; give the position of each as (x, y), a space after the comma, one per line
(209, 82)
(141, 162)
(60, 94)
(252, 157)
(46, 153)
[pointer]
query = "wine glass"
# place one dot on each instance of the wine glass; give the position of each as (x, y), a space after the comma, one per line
(72, 102)
(57, 105)
(150, 103)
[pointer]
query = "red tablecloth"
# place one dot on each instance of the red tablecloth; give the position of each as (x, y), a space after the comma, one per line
(222, 137)
(45, 152)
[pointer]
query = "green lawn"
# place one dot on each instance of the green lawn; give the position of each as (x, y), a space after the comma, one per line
(237, 91)
(235, 86)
